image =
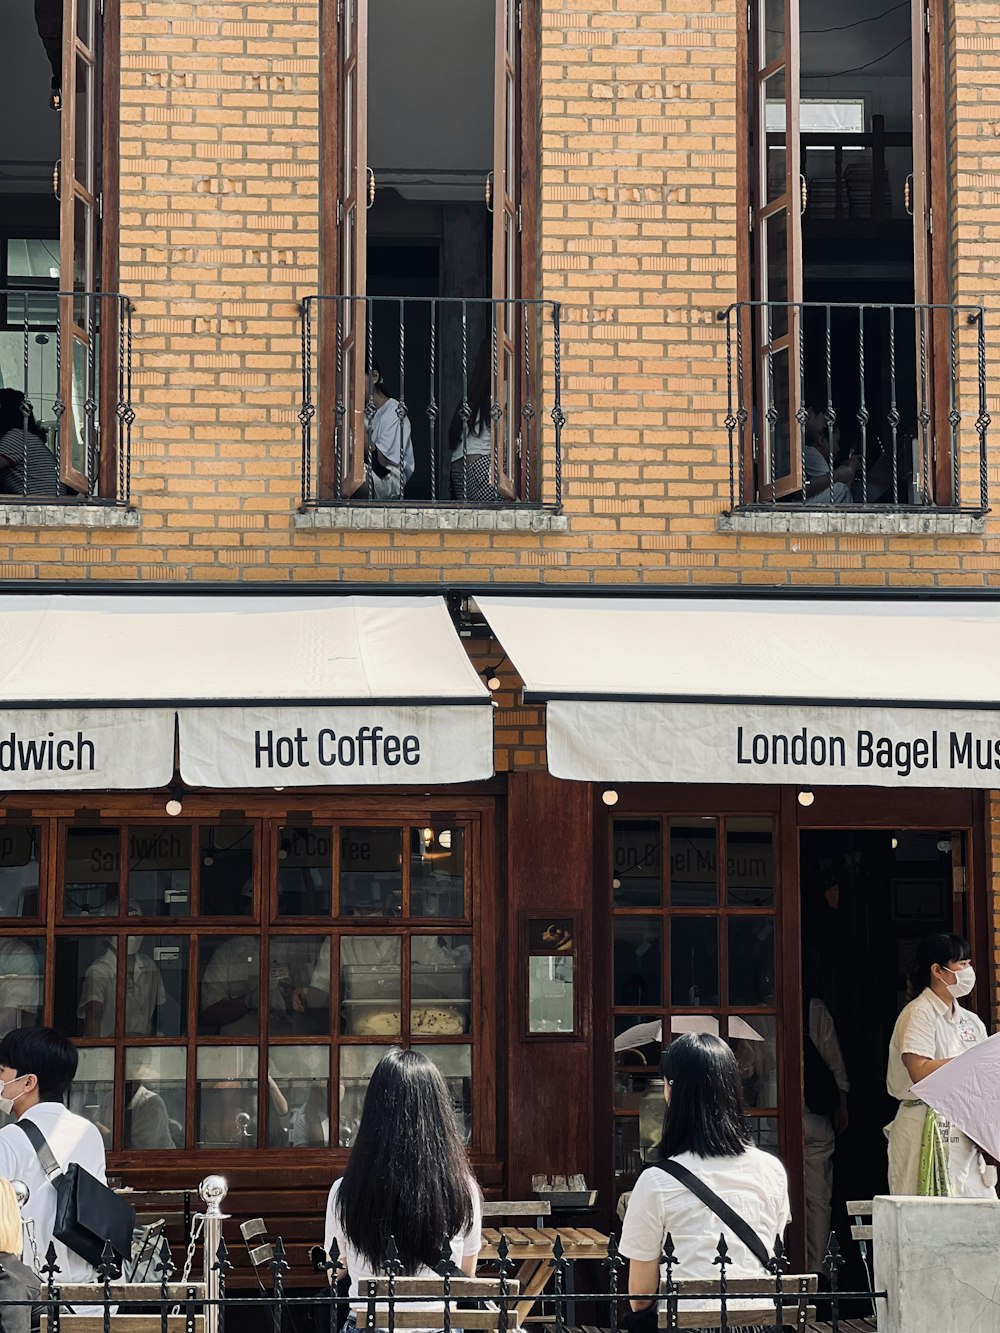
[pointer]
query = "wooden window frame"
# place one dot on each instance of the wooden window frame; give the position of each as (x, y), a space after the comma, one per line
(930, 192)
(279, 1165)
(510, 467)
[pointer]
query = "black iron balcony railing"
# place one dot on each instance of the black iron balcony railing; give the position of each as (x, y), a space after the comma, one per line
(67, 415)
(431, 401)
(835, 405)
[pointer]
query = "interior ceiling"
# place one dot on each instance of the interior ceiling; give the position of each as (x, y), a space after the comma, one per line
(29, 128)
(852, 33)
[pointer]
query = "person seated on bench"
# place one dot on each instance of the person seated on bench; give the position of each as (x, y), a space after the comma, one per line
(707, 1136)
(408, 1179)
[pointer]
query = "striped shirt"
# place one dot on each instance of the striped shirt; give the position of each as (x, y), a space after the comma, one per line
(42, 468)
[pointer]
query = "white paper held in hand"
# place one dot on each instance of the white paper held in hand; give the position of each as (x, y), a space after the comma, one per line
(967, 1091)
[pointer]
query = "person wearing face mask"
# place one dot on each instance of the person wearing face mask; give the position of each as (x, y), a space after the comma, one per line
(931, 1030)
(37, 1066)
(144, 991)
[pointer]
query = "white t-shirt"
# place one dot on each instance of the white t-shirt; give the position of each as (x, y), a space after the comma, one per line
(753, 1184)
(144, 991)
(20, 983)
(72, 1139)
(478, 441)
(823, 1034)
(927, 1027)
(462, 1246)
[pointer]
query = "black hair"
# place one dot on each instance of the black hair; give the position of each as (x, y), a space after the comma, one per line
(376, 373)
(941, 949)
(705, 1113)
(408, 1177)
(44, 1052)
(12, 414)
(477, 397)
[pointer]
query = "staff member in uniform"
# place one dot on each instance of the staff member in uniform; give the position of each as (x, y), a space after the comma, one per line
(930, 1031)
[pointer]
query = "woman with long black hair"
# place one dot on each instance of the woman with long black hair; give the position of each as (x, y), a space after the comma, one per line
(706, 1158)
(408, 1179)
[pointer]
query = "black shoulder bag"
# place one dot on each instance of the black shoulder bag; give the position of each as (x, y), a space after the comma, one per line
(726, 1215)
(645, 1321)
(87, 1212)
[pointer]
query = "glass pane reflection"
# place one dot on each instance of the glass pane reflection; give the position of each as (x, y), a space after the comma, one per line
(229, 1003)
(356, 1066)
(694, 863)
(155, 1078)
(159, 869)
(305, 870)
(91, 1094)
(694, 960)
(156, 986)
(226, 870)
(455, 1063)
(637, 857)
(22, 969)
(754, 1043)
(299, 986)
(440, 984)
(298, 1097)
(144, 991)
(90, 875)
(86, 999)
(371, 875)
(749, 862)
(19, 856)
(371, 979)
(226, 1102)
(638, 960)
(751, 960)
(437, 872)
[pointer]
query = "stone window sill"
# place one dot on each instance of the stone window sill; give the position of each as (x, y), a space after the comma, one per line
(416, 518)
(856, 522)
(38, 514)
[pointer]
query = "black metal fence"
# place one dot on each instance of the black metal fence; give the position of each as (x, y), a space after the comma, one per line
(70, 355)
(475, 415)
(838, 405)
(728, 1301)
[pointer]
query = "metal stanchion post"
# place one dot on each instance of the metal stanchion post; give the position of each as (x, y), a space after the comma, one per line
(212, 1192)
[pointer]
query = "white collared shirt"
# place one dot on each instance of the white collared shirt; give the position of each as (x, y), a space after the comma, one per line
(72, 1139)
(929, 1028)
(753, 1184)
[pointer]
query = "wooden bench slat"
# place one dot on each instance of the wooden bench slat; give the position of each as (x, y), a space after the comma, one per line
(747, 1317)
(482, 1319)
(462, 1288)
(861, 1233)
(792, 1284)
(517, 1208)
(859, 1206)
(92, 1293)
(123, 1323)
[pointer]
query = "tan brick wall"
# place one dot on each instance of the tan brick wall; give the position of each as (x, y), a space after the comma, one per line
(219, 241)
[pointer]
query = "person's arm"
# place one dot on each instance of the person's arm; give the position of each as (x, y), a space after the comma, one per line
(643, 1233)
(472, 1241)
(643, 1278)
(919, 1066)
(93, 1011)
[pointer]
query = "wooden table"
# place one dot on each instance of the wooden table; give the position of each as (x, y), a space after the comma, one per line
(530, 1248)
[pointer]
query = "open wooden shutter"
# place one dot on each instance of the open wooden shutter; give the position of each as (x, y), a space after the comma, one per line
(777, 225)
(352, 318)
(79, 425)
(504, 336)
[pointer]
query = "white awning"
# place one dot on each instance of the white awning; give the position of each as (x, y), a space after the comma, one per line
(261, 691)
(727, 690)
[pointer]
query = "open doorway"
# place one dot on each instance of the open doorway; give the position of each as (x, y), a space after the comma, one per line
(867, 897)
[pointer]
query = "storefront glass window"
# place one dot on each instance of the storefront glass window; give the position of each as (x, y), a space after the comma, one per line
(226, 870)
(749, 862)
(305, 871)
(751, 960)
(155, 1085)
(235, 980)
(754, 1039)
(437, 872)
(159, 869)
(19, 857)
(22, 972)
(91, 872)
(371, 872)
(226, 1101)
(298, 1104)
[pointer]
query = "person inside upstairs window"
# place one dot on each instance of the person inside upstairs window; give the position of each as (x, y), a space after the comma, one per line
(388, 442)
(27, 464)
(470, 439)
(706, 1131)
(826, 480)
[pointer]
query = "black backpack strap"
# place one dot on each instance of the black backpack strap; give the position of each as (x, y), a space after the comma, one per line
(38, 1141)
(726, 1215)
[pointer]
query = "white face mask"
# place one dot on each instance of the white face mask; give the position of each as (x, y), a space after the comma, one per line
(134, 943)
(7, 1103)
(965, 980)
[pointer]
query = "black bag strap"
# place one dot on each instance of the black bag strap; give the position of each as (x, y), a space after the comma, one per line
(726, 1215)
(38, 1141)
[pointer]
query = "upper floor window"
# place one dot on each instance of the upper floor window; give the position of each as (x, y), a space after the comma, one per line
(850, 368)
(429, 356)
